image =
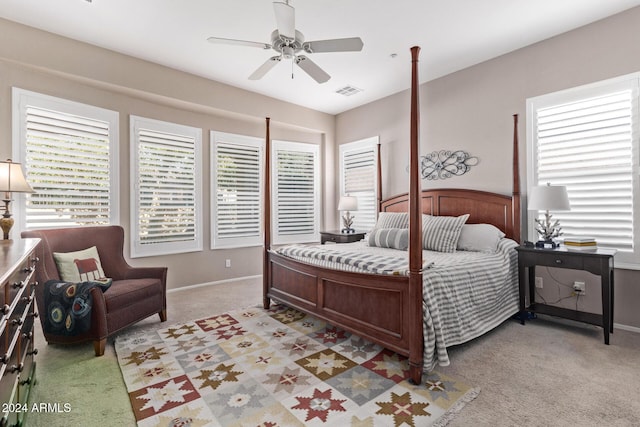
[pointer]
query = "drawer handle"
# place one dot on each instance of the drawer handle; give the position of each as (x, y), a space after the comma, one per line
(26, 381)
(18, 285)
(16, 368)
(16, 322)
(558, 261)
(4, 359)
(27, 336)
(28, 269)
(33, 352)
(4, 309)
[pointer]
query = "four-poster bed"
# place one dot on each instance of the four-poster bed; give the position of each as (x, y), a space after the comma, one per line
(388, 308)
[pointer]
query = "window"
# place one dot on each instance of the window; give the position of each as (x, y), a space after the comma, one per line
(358, 177)
(70, 156)
(166, 199)
(295, 192)
(586, 138)
(236, 187)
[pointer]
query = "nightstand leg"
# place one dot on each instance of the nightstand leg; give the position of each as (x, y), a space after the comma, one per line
(522, 279)
(606, 306)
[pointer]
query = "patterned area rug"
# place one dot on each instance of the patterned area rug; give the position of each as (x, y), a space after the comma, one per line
(277, 367)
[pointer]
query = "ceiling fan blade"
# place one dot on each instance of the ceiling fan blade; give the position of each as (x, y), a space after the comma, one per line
(285, 19)
(353, 44)
(310, 67)
(238, 42)
(264, 68)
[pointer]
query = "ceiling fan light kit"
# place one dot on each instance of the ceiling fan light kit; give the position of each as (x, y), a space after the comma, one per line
(289, 43)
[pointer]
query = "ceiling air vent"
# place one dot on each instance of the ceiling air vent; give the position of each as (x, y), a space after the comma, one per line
(348, 90)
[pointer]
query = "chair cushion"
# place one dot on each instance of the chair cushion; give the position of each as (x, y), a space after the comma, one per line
(79, 266)
(126, 293)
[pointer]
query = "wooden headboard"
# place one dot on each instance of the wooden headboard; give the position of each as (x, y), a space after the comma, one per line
(483, 207)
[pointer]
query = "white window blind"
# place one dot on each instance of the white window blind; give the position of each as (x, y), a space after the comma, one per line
(236, 185)
(68, 150)
(585, 140)
(358, 174)
(296, 192)
(166, 172)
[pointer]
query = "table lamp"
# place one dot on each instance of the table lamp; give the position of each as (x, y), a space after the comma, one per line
(12, 180)
(346, 204)
(548, 198)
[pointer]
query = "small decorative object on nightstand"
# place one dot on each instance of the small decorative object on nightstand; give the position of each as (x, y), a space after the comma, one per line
(548, 198)
(346, 204)
(338, 236)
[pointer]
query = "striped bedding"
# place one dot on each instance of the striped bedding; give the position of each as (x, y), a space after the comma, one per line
(465, 294)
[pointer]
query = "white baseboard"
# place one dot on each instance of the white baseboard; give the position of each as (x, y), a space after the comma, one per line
(218, 282)
(626, 328)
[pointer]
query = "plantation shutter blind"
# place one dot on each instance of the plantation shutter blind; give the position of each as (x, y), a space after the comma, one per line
(587, 146)
(359, 180)
(67, 160)
(296, 194)
(238, 194)
(166, 187)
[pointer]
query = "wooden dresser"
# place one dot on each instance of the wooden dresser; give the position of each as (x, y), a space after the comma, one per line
(17, 313)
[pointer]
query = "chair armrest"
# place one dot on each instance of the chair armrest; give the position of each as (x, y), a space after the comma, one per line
(145, 273)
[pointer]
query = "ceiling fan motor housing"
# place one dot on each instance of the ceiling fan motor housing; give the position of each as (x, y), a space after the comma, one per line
(285, 46)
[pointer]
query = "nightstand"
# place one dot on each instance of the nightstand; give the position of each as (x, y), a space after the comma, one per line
(598, 262)
(338, 237)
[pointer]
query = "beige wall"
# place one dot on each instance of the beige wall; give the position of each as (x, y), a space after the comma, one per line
(472, 110)
(41, 62)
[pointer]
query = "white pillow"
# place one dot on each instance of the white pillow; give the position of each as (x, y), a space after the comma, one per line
(79, 266)
(479, 238)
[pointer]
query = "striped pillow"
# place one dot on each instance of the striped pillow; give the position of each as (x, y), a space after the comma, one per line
(396, 238)
(441, 233)
(392, 220)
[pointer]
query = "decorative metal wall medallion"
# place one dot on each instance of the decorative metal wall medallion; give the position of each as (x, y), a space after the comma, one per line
(445, 164)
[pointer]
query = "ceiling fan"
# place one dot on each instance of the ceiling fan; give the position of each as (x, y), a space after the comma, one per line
(289, 43)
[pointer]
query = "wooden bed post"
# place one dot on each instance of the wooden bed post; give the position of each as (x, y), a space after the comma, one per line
(266, 301)
(379, 177)
(415, 231)
(515, 199)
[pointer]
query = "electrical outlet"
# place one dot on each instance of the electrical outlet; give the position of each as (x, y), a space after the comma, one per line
(539, 283)
(227, 263)
(579, 288)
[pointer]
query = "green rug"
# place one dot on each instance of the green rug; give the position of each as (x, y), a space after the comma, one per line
(277, 367)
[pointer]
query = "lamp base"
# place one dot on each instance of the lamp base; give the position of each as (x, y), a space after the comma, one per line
(6, 223)
(547, 244)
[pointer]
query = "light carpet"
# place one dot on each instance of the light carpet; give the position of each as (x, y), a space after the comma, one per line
(276, 367)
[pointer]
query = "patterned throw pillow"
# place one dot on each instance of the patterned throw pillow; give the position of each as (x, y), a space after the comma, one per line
(392, 220)
(441, 233)
(80, 266)
(396, 238)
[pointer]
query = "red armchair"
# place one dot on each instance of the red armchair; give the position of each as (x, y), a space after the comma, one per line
(135, 294)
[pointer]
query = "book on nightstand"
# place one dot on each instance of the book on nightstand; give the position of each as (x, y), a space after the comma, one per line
(580, 243)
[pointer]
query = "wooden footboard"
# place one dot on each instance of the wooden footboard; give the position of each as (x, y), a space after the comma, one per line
(375, 307)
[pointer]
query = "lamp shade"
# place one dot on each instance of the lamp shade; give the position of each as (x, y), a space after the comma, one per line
(549, 198)
(348, 203)
(12, 178)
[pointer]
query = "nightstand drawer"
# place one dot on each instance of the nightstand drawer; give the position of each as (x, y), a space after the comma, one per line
(560, 260)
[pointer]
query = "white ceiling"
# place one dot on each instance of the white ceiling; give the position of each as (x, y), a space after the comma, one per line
(453, 34)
